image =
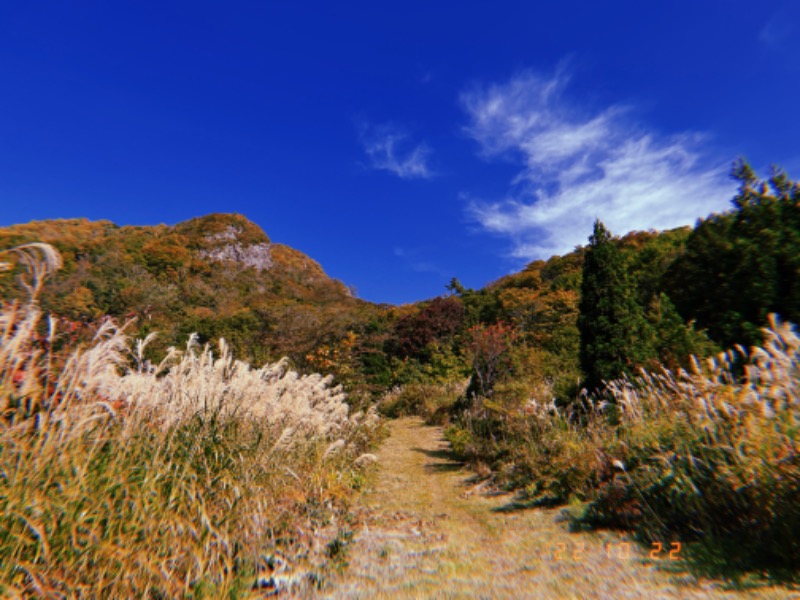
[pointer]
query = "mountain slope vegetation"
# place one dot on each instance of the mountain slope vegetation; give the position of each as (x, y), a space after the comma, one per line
(218, 276)
(647, 381)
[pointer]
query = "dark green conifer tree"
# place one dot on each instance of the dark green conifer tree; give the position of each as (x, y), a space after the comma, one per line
(615, 339)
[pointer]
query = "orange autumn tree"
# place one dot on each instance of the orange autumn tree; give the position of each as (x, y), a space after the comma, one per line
(339, 359)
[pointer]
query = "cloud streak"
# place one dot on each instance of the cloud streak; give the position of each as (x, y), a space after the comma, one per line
(411, 258)
(576, 166)
(388, 148)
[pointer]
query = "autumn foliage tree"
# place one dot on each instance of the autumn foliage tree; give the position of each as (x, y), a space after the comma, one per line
(339, 358)
(438, 321)
(488, 349)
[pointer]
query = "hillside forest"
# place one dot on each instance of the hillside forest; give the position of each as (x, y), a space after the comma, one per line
(647, 382)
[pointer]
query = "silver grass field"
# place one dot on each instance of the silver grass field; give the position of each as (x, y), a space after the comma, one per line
(197, 476)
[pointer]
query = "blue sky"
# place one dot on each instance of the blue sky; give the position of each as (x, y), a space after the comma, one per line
(399, 144)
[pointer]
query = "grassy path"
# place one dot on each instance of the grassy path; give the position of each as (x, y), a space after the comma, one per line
(430, 533)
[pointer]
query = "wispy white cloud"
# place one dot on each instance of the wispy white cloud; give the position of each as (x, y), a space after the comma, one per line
(577, 165)
(415, 262)
(426, 267)
(389, 148)
(777, 30)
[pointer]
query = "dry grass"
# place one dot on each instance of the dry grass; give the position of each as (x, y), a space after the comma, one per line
(433, 531)
(715, 459)
(198, 477)
(197, 380)
(703, 456)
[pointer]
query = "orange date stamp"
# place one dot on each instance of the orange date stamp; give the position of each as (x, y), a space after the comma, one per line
(577, 551)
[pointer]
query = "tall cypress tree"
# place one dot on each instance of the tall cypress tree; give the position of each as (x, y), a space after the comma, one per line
(614, 335)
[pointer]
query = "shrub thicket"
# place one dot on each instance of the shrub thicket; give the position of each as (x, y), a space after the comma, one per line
(696, 456)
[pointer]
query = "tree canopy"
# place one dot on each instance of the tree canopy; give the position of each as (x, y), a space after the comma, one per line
(742, 265)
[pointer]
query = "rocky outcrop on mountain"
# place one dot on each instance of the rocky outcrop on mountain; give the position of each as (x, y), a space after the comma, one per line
(226, 247)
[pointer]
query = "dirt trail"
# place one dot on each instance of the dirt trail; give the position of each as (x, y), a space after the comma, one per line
(430, 533)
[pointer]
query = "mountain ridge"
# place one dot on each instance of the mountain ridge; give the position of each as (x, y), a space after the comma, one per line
(218, 274)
